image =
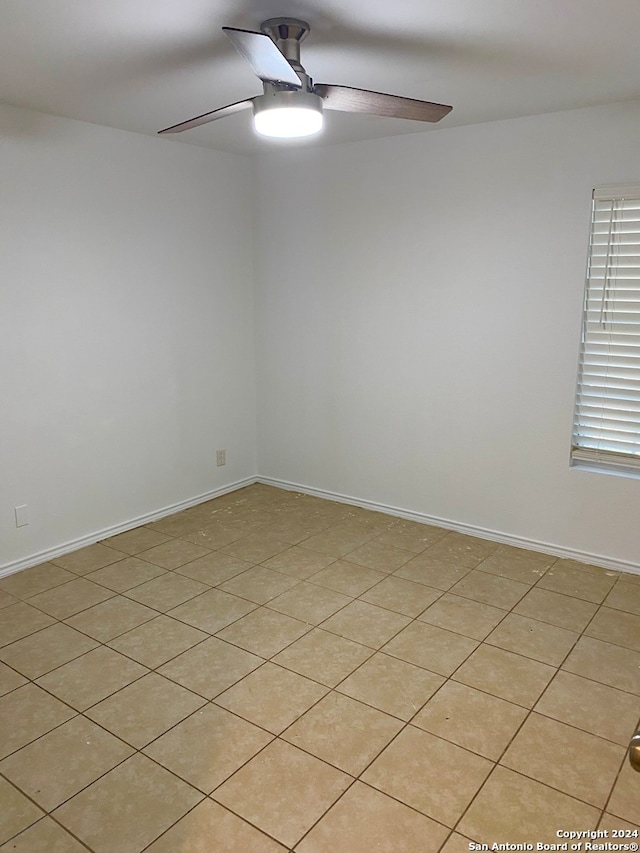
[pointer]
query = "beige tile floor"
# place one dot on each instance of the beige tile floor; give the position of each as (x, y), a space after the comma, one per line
(274, 672)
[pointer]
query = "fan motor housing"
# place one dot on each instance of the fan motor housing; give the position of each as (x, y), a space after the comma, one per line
(274, 98)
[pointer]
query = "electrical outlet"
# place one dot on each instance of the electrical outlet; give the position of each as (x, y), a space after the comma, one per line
(22, 515)
(221, 458)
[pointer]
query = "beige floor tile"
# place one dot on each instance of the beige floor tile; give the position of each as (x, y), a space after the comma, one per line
(605, 663)
(107, 620)
(490, 589)
(411, 535)
(92, 677)
(45, 650)
(271, 697)
(506, 675)
(16, 811)
(146, 709)
(137, 801)
(359, 517)
(125, 574)
(299, 562)
(45, 836)
(178, 524)
(338, 540)
(533, 639)
(556, 609)
(10, 679)
(305, 790)
(214, 535)
(70, 598)
(431, 571)
(347, 578)
(63, 762)
(209, 827)
(30, 582)
(565, 758)
(166, 591)
(210, 667)
(609, 821)
(380, 556)
(629, 577)
(88, 559)
(599, 571)
(19, 620)
(391, 685)
(214, 568)
(310, 506)
(617, 627)
(292, 531)
(255, 548)
(212, 610)
(518, 565)
(420, 529)
(456, 843)
(259, 584)
(590, 706)
(366, 624)
(249, 520)
(481, 723)
(154, 643)
(523, 813)
(515, 555)
(251, 525)
(26, 714)
(433, 648)
(364, 820)
(401, 596)
(463, 616)
(133, 541)
(465, 550)
(625, 799)
(343, 732)
(264, 632)
(173, 553)
(323, 656)
(207, 747)
(309, 603)
(6, 600)
(569, 580)
(415, 756)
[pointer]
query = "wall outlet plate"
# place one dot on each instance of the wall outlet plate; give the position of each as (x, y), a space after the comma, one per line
(221, 458)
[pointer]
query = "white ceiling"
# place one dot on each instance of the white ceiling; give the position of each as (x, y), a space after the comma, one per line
(141, 65)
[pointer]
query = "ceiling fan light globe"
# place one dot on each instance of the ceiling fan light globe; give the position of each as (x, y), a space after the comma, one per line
(287, 114)
(288, 122)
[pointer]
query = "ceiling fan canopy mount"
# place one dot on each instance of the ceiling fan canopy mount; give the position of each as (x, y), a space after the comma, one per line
(287, 34)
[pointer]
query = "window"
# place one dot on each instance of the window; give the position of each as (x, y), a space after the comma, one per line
(606, 429)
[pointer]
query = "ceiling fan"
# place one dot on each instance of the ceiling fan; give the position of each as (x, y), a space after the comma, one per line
(292, 104)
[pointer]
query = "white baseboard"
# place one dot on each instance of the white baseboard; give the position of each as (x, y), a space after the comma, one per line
(472, 530)
(105, 533)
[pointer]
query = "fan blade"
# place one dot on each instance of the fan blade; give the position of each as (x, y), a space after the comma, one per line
(205, 118)
(350, 100)
(263, 56)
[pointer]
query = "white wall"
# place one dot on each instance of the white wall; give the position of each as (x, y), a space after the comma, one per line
(402, 285)
(418, 317)
(126, 327)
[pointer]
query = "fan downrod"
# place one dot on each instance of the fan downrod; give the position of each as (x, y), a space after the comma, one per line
(287, 33)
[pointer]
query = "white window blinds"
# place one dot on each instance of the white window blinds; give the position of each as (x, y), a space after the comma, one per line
(606, 431)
